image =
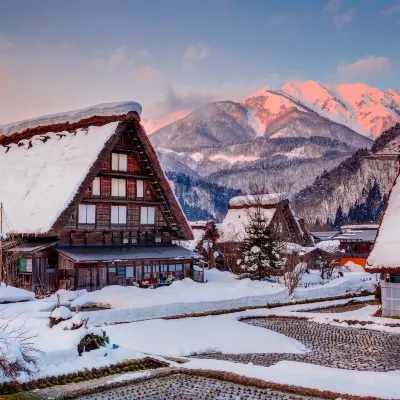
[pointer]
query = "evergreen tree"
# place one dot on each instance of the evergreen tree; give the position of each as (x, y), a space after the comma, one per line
(340, 218)
(260, 249)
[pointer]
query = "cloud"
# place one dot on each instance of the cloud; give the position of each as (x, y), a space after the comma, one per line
(196, 52)
(340, 17)
(279, 19)
(393, 10)
(333, 6)
(344, 18)
(364, 68)
(147, 73)
(118, 56)
(5, 43)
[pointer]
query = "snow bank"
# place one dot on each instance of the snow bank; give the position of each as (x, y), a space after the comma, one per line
(61, 313)
(222, 291)
(100, 110)
(331, 246)
(361, 383)
(350, 283)
(11, 294)
(353, 267)
(189, 336)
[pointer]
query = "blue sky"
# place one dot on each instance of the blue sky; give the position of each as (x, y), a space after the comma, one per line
(169, 55)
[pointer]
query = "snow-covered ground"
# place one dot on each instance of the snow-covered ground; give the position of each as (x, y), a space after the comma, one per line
(222, 291)
(187, 336)
(362, 383)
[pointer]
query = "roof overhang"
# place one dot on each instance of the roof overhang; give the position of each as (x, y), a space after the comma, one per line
(90, 254)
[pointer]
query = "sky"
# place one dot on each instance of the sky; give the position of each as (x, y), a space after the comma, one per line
(171, 55)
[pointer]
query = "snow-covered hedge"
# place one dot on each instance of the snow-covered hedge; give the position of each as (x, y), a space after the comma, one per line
(11, 294)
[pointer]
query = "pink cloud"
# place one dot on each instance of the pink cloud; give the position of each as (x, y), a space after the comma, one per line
(196, 52)
(364, 68)
(147, 73)
(344, 18)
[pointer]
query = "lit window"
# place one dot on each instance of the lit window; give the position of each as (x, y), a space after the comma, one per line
(139, 188)
(87, 214)
(147, 215)
(157, 239)
(96, 187)
(119, 162)
(118, 187)
(118, 214)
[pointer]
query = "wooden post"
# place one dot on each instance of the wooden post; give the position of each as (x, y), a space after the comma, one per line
(1, 242)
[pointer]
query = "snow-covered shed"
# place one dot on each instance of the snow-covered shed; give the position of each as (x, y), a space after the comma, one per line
(90, 178)
(274, 208)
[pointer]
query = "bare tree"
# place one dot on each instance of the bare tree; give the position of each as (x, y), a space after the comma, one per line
(293, 272)
(18, 353)
(10, 257)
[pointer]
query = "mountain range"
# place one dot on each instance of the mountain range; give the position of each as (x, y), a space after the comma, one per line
(291, 135)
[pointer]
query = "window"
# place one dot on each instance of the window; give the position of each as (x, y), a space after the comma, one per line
(25, 264)
(87, 214)
(129, 272)
(147, 215)
(112, 270)
(118, 214)
(172, 268)
(147, 271)
(139, 188)
(179, 267)
(121, 272)
(164, 268)
(157, 239)
(119, 162)
(118, 187)
(96, 187)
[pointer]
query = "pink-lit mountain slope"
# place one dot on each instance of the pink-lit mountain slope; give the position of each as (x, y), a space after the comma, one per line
(366, 110)
(153, 124)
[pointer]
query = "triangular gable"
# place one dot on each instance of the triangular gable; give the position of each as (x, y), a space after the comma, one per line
(45, 178)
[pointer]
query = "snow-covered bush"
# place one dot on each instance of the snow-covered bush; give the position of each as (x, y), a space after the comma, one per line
(59, 314)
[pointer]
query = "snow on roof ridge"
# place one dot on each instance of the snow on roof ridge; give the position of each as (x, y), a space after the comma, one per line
(74, 116)
(263, 199)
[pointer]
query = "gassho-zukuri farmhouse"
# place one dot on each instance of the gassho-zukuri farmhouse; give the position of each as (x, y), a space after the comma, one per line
(86, 193)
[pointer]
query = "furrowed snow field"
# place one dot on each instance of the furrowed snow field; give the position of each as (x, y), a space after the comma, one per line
(188, 336)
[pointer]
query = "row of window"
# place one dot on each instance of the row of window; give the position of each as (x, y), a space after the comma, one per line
(149, 271)
(118, 187)
(87, 214)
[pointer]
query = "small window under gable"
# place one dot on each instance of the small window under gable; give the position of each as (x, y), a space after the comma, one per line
(118, 214)
(147, 215)
(118, 187)
(87, 214)
(139, 188)
(119, 162)
(96, 187)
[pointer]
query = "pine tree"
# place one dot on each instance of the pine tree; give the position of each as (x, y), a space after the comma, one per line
(260, 250)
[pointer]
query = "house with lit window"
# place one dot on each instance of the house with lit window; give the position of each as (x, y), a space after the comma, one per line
(86, 195)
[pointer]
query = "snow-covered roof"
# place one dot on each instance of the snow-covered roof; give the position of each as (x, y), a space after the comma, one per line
(198, 236)
(263, 199)
(233, 227)
(386, 251)
(43, 167)
(38, 183)
(359, 227)
(100, 110)
(363, 235)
